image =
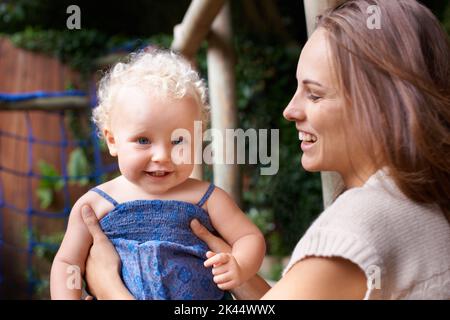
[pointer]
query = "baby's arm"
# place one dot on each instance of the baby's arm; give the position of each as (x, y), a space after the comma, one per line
(69, 264)
(247, 241)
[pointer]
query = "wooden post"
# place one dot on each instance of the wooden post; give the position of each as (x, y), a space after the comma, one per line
(331, 181)
(221, 64)
(189, 35)
(315, 7)
(195, 26)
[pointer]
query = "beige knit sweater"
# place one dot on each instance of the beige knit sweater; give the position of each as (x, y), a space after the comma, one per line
(403, 247)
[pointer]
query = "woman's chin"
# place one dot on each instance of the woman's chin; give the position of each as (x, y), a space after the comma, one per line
(309, 164)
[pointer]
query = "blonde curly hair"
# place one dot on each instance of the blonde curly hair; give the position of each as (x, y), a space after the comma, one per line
(163, 72)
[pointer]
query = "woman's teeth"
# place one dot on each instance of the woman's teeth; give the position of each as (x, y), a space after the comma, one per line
(306, 137)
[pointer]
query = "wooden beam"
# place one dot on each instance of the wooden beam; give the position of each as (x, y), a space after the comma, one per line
(195, 26)
(221, 77)
(315, 7)
(331, 181)
(48, 104)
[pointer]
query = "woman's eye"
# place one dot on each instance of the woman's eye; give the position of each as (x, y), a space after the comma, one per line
(313, 97)
(143, 140)
(178, 141)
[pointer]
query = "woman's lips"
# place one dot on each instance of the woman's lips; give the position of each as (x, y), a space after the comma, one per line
(308, 140)
(305, 145)
(306, 136)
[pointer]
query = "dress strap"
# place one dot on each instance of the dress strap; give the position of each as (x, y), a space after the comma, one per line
(206, 195)
(105, 195)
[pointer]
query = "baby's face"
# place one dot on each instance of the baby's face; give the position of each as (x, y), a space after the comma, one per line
(142, 136)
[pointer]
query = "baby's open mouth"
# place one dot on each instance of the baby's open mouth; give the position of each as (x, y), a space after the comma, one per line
(158, 173)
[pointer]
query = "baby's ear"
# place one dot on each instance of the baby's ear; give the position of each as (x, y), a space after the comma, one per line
(111, 142)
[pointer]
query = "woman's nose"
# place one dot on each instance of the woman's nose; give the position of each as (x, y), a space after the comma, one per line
(294, 111)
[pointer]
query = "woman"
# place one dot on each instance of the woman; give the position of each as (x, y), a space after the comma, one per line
(374, 106)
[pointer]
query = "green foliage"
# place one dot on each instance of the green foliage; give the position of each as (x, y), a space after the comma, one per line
(45, 250)
(276, 271)
(137, 17)
(50, 182)
(80, 48)
(47, 244)
(262, 218)
(14, 13)
(446, 20)
(78, 166)
(77, 48)
(50, 243)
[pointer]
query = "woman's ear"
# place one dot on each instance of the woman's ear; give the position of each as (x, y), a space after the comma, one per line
(111, 142)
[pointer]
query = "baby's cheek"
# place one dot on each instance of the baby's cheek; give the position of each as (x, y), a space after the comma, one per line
(129, 167)
(185, 170)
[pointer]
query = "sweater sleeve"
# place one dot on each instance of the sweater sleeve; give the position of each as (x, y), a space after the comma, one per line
(337, 233)
(400, 245)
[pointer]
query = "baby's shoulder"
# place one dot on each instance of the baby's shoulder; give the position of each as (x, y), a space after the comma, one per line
(197, 185)
(192, 190)
(99, 204)
(111, 186)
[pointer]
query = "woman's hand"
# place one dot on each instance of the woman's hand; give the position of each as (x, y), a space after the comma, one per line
(103, 263)
(254, 288)
(214, 243)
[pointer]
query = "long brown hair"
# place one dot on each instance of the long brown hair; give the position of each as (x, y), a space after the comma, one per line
(396, 83)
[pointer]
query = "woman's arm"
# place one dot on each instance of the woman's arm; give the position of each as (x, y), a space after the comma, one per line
(310, 278)
(317, 278)
(103, 263)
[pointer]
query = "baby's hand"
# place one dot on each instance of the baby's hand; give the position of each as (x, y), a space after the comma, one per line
(227, 272)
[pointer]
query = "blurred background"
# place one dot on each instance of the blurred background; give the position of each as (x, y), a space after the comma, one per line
(50, 155)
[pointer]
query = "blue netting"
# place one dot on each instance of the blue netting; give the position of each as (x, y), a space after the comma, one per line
(10, 97)
(99, 169)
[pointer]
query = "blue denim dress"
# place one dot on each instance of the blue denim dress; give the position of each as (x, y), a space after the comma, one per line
(161, 258)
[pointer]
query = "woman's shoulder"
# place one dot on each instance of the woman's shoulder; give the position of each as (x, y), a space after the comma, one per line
(379, 201)
(378, 222)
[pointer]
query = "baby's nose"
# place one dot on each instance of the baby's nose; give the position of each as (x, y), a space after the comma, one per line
(160, 154)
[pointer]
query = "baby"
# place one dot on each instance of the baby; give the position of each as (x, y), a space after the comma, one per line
(147, 210)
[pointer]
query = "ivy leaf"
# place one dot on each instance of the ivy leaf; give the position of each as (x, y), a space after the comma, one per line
(45, 196)
(50, 182)
(58, 184)
(51, 178)
(78, 166)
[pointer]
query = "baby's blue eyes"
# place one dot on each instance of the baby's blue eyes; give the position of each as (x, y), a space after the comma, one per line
(178, 141)
(143, 141)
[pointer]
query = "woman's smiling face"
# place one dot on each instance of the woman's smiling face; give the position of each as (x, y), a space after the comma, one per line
(328, 140)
